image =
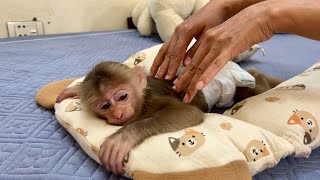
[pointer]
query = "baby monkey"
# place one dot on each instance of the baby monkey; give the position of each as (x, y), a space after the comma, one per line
(145, 106)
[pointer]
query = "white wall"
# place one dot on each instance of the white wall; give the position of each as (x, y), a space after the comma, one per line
(64, 16)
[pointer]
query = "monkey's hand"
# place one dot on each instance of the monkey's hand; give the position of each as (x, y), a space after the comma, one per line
(68, 93)
(114, 149)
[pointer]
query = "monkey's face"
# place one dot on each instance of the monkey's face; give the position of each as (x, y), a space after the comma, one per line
(117, 106)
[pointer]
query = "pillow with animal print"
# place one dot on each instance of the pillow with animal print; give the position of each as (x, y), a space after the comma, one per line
(218, 141)
(290, 110)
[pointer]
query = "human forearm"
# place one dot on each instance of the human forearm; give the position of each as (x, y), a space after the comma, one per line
(300, 17)
(232, 7)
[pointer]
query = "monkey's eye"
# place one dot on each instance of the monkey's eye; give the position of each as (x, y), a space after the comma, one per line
(105, 106)
(123, 97)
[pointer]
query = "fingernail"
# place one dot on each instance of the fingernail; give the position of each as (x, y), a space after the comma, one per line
(187, 61)
(186, 98)
(175, 81)
(174, 87)
(199, 85)
(167, 77)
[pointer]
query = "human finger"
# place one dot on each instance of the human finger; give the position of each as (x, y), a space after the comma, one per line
(194, 86)
(191, 69)
(167, 58)
(179, 50)
(159, 58)
(213, 70)
(190, 53)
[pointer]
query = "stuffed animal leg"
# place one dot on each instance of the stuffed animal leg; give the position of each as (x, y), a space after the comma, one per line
(163, 15)
(169, 14)
(142, 19)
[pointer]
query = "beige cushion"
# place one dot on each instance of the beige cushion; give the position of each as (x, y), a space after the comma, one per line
(47, 95)
(290, 110)
(218, 141)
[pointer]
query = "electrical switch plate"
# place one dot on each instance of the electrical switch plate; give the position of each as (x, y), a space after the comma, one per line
(25, 28)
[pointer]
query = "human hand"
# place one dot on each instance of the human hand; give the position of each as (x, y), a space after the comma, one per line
(223, 43)
(68, 92)
(171, 54)
(173, 51)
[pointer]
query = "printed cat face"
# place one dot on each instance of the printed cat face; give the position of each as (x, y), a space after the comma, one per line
(309, 124)
(188, 143)
(255, 150)
(139, 57)
(236, 107)
(73, 106)
(293, 87)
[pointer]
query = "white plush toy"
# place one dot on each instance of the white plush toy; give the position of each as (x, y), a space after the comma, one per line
(163, 16)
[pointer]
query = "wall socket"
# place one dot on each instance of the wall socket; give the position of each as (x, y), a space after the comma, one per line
(25, 28)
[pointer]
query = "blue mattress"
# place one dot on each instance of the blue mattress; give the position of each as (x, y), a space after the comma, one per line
(34, 146)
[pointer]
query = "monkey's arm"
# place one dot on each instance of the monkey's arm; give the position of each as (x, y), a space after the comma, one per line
(68, 92)
(169, 116)
(263, 84)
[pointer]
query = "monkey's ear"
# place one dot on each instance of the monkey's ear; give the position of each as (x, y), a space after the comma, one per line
(141, 76)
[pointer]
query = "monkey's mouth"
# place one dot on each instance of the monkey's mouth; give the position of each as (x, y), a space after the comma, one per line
(114, 121)
(122, 121)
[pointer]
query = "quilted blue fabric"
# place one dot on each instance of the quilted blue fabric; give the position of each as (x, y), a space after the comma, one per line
(34, 146)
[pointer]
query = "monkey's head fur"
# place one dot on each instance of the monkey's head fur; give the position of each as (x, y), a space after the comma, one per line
(114, 91)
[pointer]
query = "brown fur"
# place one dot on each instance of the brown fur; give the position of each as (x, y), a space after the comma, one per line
(103, 76)
(164, 88)
(263, 84)
(149, 107)
(162, 109)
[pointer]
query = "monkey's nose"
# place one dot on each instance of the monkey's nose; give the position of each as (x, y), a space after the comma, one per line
(118, 115)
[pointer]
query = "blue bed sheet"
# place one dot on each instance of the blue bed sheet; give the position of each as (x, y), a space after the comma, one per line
(34, 146)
